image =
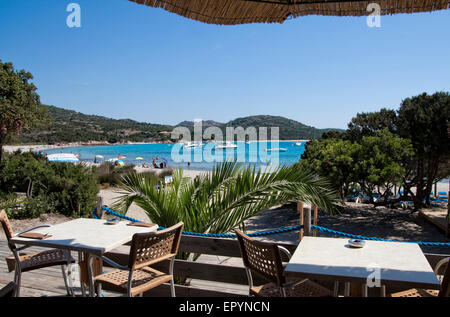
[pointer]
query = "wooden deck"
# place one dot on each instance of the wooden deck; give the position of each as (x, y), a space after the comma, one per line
(211, 275)
(217, 273)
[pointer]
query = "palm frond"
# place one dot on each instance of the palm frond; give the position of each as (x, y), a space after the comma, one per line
(220, 201)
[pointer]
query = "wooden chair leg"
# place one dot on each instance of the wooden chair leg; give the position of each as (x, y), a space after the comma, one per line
(66, 283)
(336, 289)
(347, 289)
(383, 291)
(172, 283)
(99, 290)
(17, 280)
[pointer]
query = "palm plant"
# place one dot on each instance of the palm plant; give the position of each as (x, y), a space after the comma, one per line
(220, 201)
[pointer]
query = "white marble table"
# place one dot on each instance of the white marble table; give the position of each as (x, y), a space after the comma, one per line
(393, 263)
(91, 236)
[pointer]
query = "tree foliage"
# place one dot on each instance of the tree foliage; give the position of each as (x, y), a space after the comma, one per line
(334, 159)
(424, 119)
(19, 102)
(408, 148)
(368, 123)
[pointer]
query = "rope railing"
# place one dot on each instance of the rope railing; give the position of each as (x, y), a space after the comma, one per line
(213, 235)
(354, 236)
(270, 232)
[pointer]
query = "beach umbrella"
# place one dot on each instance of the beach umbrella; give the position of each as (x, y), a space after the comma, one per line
(139, 158)
(99, 156)
(230, 12)
(121, 157)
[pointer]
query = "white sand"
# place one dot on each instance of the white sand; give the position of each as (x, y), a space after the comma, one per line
(33, 148)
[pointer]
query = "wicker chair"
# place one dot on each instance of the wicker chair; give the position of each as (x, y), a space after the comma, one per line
(146, 249)
(445, 286)
(27, 262)
(264, 258)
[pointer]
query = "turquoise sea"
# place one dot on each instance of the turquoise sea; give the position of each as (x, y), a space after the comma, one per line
(200, 158)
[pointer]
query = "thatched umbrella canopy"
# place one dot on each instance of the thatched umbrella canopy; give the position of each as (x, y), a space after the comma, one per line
(271, 11)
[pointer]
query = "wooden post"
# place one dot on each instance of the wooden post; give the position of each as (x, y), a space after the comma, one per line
(300, 210)
(307, 223)
(316, 211)
(99, 207)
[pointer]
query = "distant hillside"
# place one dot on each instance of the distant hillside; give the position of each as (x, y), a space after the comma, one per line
(205, 124)
(288, 129)
(70, 126)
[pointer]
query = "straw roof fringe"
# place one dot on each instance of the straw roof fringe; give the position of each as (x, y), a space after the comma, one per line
(231, 12)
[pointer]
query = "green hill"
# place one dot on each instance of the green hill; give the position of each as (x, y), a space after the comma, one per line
(288, 129)
(71, 126)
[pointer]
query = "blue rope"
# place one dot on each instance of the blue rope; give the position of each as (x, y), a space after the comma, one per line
(270, 232)
(214, 235)
(354, 236)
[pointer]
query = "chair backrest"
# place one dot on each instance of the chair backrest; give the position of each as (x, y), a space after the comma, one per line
(6, 227)
(445, 286)
(151, 247)
(261, 257)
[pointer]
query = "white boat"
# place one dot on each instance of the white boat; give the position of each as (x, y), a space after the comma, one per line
(276, 150)
(225, 145)
(298, 143)
(192, 145)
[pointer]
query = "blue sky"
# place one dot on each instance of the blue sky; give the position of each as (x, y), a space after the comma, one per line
(146, 64)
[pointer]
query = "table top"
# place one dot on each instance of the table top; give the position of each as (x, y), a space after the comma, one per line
(87, 235)
(397, 263)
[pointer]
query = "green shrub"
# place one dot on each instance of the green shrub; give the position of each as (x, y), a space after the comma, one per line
(65, 188)
(12, 204)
